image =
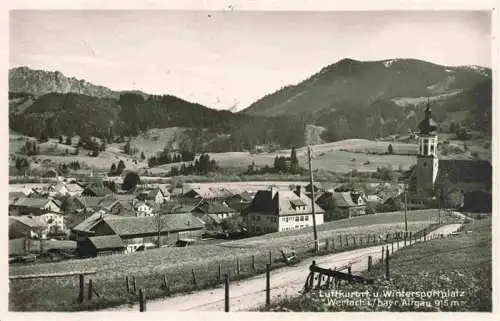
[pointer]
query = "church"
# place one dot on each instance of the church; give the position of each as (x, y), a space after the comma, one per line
(434, 180)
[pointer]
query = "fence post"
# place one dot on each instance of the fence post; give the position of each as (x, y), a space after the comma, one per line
(128, 284)
(360, 241)
(134, 284)
(268, 285)
(238, 267)
(90, 290)
(253, 262)
(398, 244)
(165, 283)
(369, 262)
(349, 270)
(333, 244)
(392, 247)
(142, 301)
(382, 260)
(346, 241)
(81, 294)
(219, 276)
(340, 238)
(270, 258)
(354, 239)
(226, 293)
(327, 245)
(387, 273)
(405, 238)
(194, 278)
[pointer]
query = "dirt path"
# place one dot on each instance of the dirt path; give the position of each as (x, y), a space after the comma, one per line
(288, 281)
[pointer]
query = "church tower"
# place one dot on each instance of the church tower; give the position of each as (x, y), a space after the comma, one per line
(427, 158)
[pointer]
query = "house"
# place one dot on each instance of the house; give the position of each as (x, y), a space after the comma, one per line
(175, 207)
(54, 221)
(95, 190)
(35, 205)
(108, 204)
(216, 208)
(101, 245)
(74, 189)
(348, 204)
(208, 193)
(157, 195)
(240, 201)
(145, 208)
(136, 231)
(27, 226)
(275, 211)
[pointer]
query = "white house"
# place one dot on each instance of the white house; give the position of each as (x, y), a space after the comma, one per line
(277, 211)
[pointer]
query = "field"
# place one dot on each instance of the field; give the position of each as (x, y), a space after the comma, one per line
(461, 264)
(149, 267)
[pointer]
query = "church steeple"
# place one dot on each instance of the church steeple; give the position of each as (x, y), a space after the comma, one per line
(427, 158)
(428, 125)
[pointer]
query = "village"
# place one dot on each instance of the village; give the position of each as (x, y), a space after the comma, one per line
(71, 219)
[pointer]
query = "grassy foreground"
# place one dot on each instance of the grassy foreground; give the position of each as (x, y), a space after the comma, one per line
(178, 264)
(450, 274)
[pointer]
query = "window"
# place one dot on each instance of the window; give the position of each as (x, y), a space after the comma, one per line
(302, 218)
(307, 218)
(258, 217)
(296, 218)
(257, 228)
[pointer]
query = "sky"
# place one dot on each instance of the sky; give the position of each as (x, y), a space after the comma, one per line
(229, 59)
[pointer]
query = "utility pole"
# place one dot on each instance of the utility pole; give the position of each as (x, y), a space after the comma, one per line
(406, 220)
(313, 202)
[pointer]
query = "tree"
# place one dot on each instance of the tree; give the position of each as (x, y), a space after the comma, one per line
(130, 181)
(126, 148)
(143, 157)
(294, 160)
(43, 138)
(120, 167)
(30, 148)
(22, 165)
(102, 148)
(60, 139)
(390, 150)
(68, 140)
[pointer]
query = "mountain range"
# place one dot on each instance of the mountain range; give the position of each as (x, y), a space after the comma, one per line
(349, 99)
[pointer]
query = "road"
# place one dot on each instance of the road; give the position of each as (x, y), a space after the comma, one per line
(249, 294)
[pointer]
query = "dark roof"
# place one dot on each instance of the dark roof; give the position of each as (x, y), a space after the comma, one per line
(465, 171)
(97, 190)
(131, 225)
(427, 125)
(174, 207)
(214, 207)
(34, 202)
(106, 242)
(280, 202)
(298, 202)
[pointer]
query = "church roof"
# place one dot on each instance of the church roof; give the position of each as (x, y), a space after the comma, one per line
(465, 171)
(428, 125)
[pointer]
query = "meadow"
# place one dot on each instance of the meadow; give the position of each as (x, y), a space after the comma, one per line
(459, 264)
(149, 267)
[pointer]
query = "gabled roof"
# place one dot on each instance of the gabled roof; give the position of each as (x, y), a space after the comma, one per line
(176, 207)
(209, 192)
(214, 207)
(91, 221)
(130, 225)
(98, 190)
(106, 242)
(343, 199)
(280, 203)
(34, 202)
(28, 220)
